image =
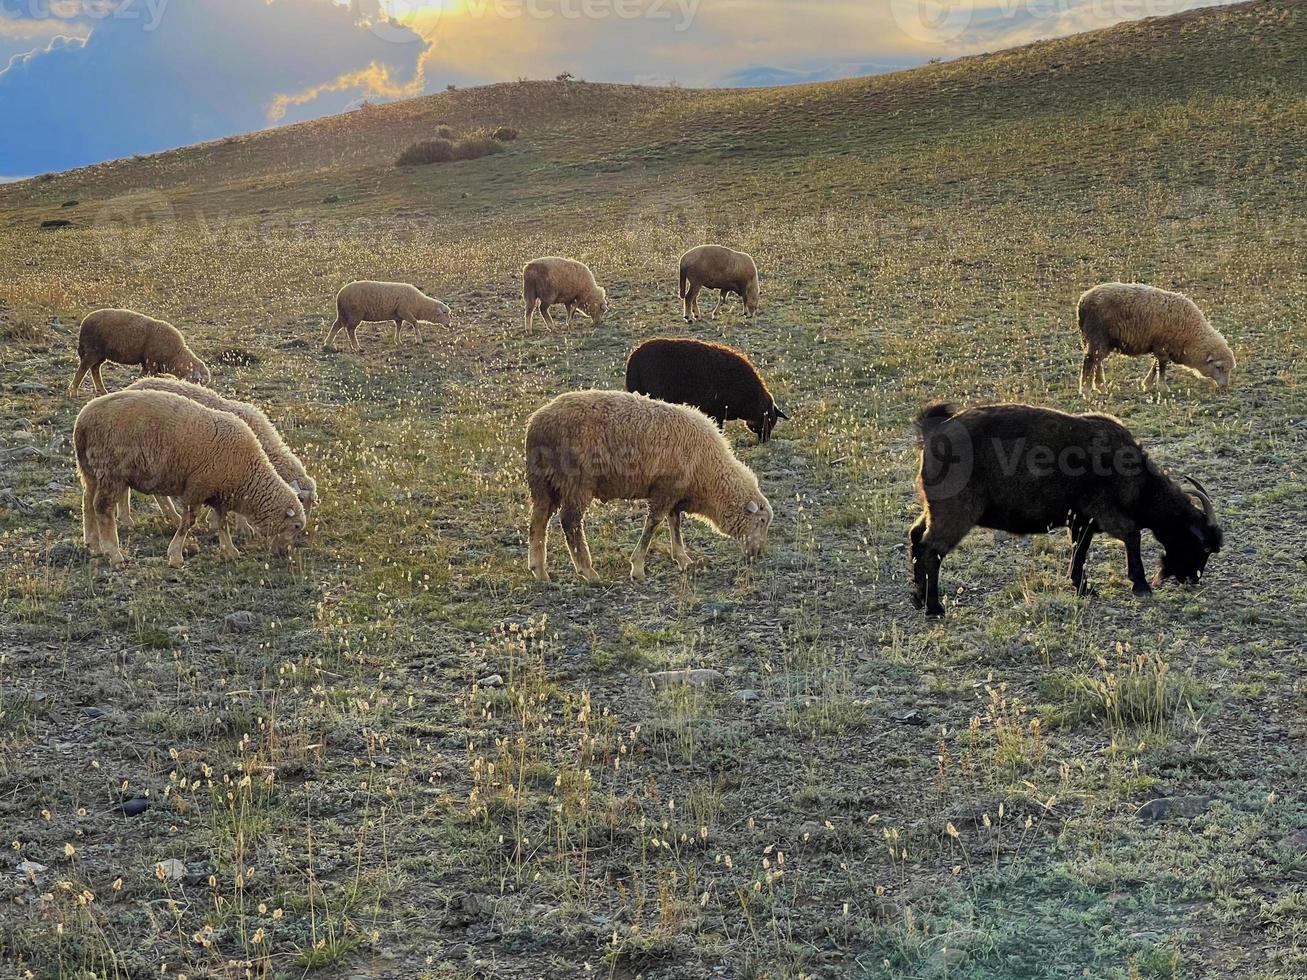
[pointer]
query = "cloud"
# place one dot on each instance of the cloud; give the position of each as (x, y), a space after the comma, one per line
(198, 70)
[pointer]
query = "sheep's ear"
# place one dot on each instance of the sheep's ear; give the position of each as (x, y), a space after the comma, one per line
(752, 507)
(295, 485)
(780, 412)
(290, 511)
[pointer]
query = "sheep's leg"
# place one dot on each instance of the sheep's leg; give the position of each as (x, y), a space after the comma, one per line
(544, 312)
(916, 566)
(353, 331)
(166, 508)
(654, 518)
(571, 313)
(542, 509)
(179, 539)
(417, 331)
(1082, 535)
(532, 301)
(90, 526)
(1162, 363)
(1100, 377)
(573, 521)
(688, 303)
(1087, 373)
(125, 509)
(679, 552)
(1135, 565)
(335, 328)
(692, 302)
(105, 506)
(1150, 378)
(98, 381)
(721, 298)
(932, 547)
(399, 325)
(226, 547)
(76, 385)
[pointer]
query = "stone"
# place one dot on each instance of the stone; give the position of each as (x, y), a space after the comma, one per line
(1173, 808)
(241, 621)
(696, 677)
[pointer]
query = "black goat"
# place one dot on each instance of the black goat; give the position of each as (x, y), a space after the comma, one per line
(1028, 470)
(719, 381)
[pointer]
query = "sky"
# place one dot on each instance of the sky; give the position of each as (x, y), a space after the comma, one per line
(88, 80)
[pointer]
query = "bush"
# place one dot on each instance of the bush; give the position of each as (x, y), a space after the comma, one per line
(477, 146)
(425, 152)
(444, 150)
(505, 134)
(445, 132)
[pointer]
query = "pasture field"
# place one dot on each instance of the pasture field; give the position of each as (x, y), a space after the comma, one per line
(398, 756)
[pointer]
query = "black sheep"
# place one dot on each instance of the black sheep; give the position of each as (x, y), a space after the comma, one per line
(717, 380)
(1028, 470)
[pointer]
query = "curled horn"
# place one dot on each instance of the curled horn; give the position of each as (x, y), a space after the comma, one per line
(1208, 510)
(780, 412)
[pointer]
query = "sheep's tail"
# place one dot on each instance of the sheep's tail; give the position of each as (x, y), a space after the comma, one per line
(683, 286)
(932, 416)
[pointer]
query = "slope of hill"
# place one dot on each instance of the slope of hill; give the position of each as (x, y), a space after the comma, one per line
(400, 757)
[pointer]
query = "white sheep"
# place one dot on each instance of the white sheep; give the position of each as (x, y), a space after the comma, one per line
(286, 463)
(1134, 319)
(166, 445)
(611, 445)
(375, 302)
(717, 267)
(555, 280)
(128, 337)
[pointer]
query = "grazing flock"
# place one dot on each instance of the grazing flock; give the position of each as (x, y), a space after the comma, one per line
(1011, 467)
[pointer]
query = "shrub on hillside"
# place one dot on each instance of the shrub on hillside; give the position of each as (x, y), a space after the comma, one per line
(505, 134)
(471, 147)
(444, 132)
(427, 151)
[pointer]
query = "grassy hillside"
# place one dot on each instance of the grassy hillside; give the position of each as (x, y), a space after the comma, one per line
(398, 756)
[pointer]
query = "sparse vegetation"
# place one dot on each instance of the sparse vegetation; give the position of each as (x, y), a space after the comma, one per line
(404, 758)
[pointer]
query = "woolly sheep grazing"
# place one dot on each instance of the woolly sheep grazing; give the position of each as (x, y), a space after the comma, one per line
(555, 280)
(128, 337)
(375, 302)
(1027, 470)
(717, 267)
(719, 381)
(166, 445)
(1135, 319)
(612, 445)
(286, 463)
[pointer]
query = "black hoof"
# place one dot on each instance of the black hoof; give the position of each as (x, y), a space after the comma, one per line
(935, 612)
(1143, 591)
(917, 601)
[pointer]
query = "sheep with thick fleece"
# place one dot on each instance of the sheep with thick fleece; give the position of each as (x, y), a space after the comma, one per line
(163, 444)
(717, 267)
(1135, 319)
(128, 337)
(286, 463)
(612, 445)
(375, 302)
(555, 280)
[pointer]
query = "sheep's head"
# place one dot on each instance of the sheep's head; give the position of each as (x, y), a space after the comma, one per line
(752, 293)
(290, 530)
(749, 524)
(198, 373)
(596, 305)
(1218, 364)
(439, 313)
(1191, 543)
(762, 426)
(307, 492)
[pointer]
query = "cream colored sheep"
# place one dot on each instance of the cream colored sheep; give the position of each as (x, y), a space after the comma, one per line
(717, 267)
(166, 445)
(1134, 319)
(556, 280)
(611, 445)
(374, 302)
(128, 337)
(285, 462)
